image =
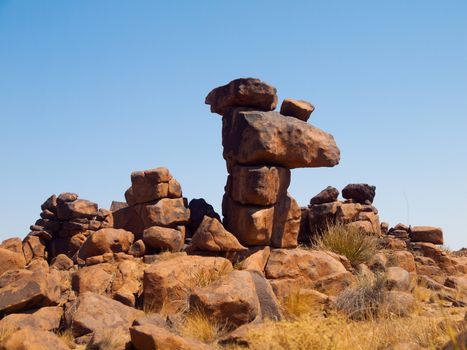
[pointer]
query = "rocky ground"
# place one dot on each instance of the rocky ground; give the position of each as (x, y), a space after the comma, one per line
(161, 272)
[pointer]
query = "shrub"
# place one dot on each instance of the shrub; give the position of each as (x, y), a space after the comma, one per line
(348, 241)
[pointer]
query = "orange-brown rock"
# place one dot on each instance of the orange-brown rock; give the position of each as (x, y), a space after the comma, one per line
(137, 249)
(328, 195)
(259, 185)
(165, 212)
(150, 185)
(107, 240)
(297, 108)
(213, 237)
(403, 259)
(397, 279)
(256, 259)
(151, 336)
(33, 339)
(34, 247)
(46, 319)
(286, 224)
(254, 138)
(79, 208)
(244, 92)
(163, 238)
(360, 193)
(426, 234)
(22, 290)
(62, 262)
(95, 279)
(10, 260)
(166, 284)
(198, 209)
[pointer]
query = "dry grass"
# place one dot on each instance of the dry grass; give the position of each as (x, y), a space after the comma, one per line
(298, 304)
(111, 340)
(205, 277)
(6, 330)
(349, 241)
(198, 325)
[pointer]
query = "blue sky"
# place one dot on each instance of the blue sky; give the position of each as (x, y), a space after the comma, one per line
(92, 90)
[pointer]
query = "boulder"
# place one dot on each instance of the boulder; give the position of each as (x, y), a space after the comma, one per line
(150, 337)
(286, 224)
(397, 279)
(10, 260)
(328, 195)
(129, 219)
(62, 262)
(66, 197)
(244, 92)
(13, 244)
(236, 299)
(399, 303)
(166, 212)
(360, 193)
(167, 284)
(107, 240)
(79, 208)
(256, 260)
(22, 290)
(34, 248)
(163, 238)
(34, 339)
(255, 138)
(199, 208)
(91, 313)
(51, 204)
(137, 249)
(46, 319)
(148, 185)
(426, 234)
(213, 237)
(403, 259)
(95, 279)
(297, 108)
(259, 185)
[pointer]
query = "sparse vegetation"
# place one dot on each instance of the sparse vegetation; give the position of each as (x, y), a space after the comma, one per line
(205, 277)
(197, 325)
(6, 330)
(298, 304)
(348, 241)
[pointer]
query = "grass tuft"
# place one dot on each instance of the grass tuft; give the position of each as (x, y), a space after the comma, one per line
(348, 241)
(197, 325)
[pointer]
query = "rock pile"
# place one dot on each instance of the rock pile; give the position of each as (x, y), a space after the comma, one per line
(260, 148)
(325, 209)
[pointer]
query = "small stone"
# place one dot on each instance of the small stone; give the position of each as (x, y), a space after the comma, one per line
(426, 234)
(66, 197)
(359, 193)
(328, 195)
(297, 108)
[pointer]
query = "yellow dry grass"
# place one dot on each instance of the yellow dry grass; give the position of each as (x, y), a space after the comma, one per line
(197, 325)
(205, 277)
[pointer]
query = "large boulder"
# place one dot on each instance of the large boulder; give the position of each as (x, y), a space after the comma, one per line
(79, 208)
(163, 238)
(212, 236)
(297, 108)
(46, 319)
(255, 138)
(360, 193)
(426, 234)
(328, 195)
(165, 212)
(10, 260)
(199, 208)
(33, 339)
(93, 314)
(244, 92)
(167, 284)
(107, 240)
(234, 299)
(259, 185)
(397, 279)
(23, 289)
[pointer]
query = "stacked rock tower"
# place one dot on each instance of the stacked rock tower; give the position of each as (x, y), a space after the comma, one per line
(260, 148)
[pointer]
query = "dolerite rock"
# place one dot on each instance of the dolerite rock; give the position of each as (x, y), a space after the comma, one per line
(213, 237)
(79, 208)
(45, 318)
(258, 185)
(199, 208)
(255, 138)
(426, 234)
(107, 240)
(297, 108)
(163, 238)
(10, 260)
(245, 92)
(165, 212)
(328, 195)
(34, 339)
(360, 193)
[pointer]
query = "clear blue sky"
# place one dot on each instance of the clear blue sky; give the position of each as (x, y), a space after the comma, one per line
(92, 90)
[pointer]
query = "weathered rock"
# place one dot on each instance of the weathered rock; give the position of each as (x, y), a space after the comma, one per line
(129, 219)
(150, 337)
(257, 260)
(33, 339)
(328, 195)
(62, 262)
(397, 279)
(92, 313)
(166, 284)
(22, 290)
(50, 204)
(426, 234)
(33, 248)
(166, 212)
(459, 343)
(399, 303)
(297, 108)
(137, 249)
(244, 92)
(360, 193)
(148, 185)
(213, 237)
(95, 279)
(403, 259)
(259, 185)
(107, 240)
(79, 208)
(66, 197)
(46, 319)
(319, 216)
(198, 210)
(164, 239)
(237, 298)
(254, 138)
(10, 260)
(14, 245)
(286, 223)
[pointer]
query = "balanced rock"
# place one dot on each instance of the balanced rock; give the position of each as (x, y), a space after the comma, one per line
(165, 212)
(297, 108)
(426, 234)
(213, 237)
(199, 208)
(360, 193)
(328, 195)
(107, 240)
(255, 137)
(163, 238)
(245, 92)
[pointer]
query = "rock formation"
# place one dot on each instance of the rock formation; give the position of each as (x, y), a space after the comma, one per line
(260, 148)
